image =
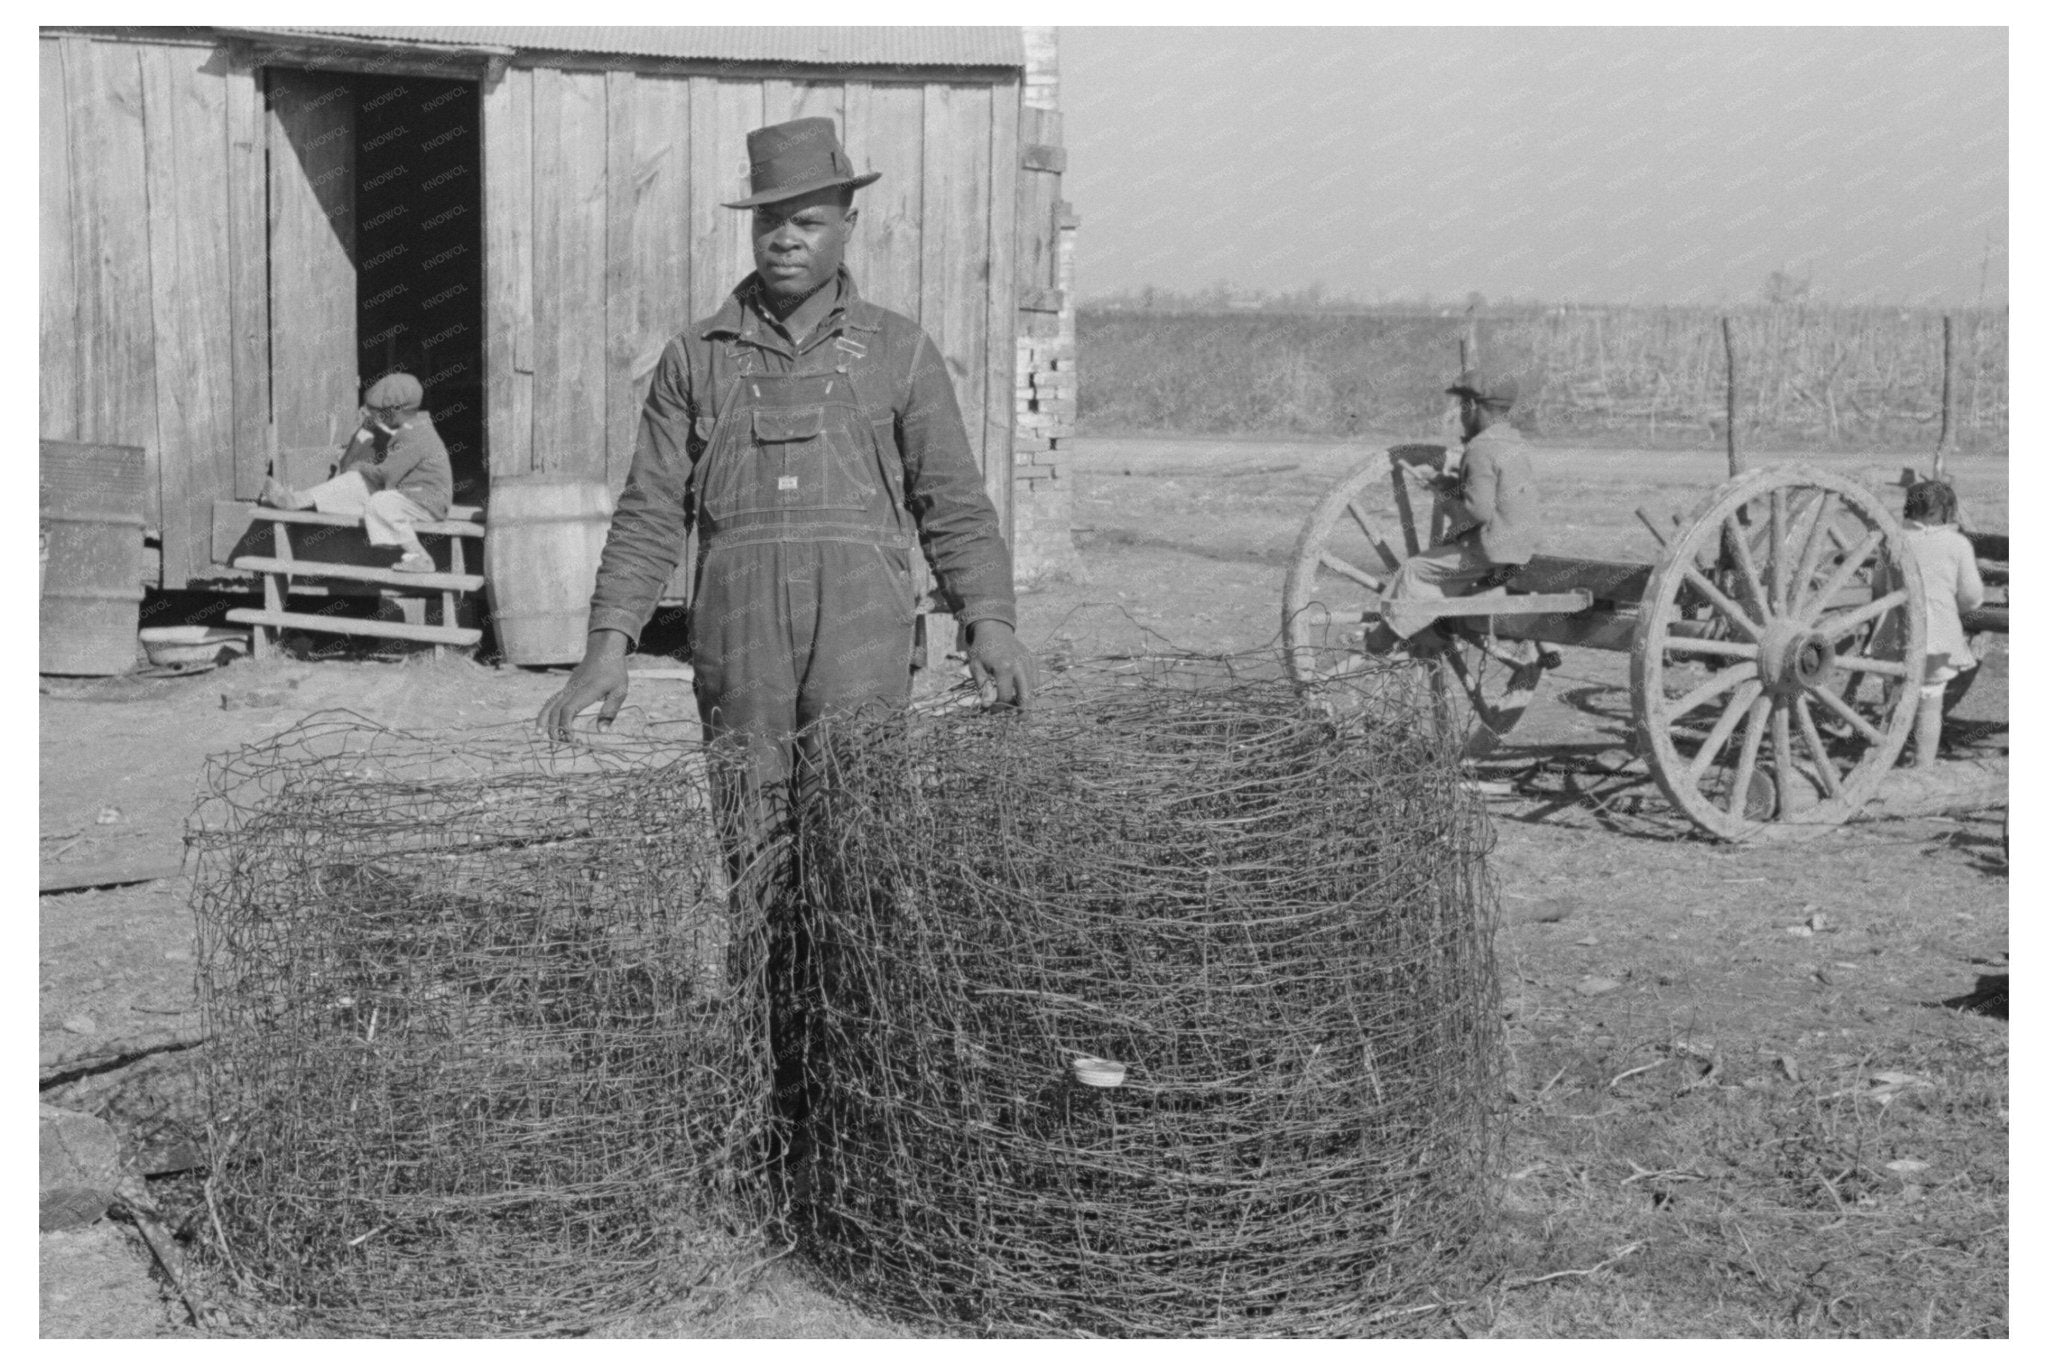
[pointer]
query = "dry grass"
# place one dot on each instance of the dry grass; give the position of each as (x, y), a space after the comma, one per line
(1825, 377)
(1740, 1202)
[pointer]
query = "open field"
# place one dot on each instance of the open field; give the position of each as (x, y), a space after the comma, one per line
(1756, 1091)
(1811, 377)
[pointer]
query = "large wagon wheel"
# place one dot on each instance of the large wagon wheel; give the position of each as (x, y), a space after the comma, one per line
(1781, 613)
(1371, 521)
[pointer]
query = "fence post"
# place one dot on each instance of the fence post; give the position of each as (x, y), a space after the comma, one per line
(1728, 345)
(1948, 371)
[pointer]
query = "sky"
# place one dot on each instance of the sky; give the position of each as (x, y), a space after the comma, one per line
(1594, 165)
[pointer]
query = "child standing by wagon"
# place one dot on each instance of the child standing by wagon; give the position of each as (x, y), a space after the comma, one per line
(1947, 564)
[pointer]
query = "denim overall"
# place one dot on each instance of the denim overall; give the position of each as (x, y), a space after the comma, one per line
(803, 606)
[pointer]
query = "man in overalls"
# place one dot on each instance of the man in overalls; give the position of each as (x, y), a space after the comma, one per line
(813, 439)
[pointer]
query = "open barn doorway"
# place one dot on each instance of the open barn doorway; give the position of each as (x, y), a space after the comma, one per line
(420, 252)
(375, 193)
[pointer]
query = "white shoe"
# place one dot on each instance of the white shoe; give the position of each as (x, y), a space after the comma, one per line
(415, 561)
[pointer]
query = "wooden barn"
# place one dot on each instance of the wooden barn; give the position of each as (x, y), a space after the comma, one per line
(239, 227)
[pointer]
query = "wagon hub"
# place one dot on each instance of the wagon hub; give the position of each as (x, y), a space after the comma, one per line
(1793, 657)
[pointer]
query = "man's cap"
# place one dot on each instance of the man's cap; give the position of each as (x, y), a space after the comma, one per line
(1494, 390)
(795, 158)
(394, 391)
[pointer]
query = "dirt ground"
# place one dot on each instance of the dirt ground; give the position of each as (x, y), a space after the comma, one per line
(1757, 1091)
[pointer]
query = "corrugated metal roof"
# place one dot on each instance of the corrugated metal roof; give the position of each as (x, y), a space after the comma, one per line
(811, 46)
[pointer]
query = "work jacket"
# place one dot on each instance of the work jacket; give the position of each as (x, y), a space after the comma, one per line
(933, 484)
(1497, 489)
(411, 460)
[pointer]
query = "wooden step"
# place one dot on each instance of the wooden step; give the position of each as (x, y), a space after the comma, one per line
(472, 529)
(346, 625)
(313, 568)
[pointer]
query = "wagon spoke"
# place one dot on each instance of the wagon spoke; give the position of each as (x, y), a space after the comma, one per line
(1717, 738)
(1745, 563)
(1824, 766)
(1745, 762)
(1372, 535)
(1863, 663)
(1781, 744)
(1848, 714)
(1726, 680)
(1719, 649)
(1351, 571)
(1736, 616)
(1404, 504)
(1851, 564)
(1776, 563)
(1840, 627)
(1809, 557)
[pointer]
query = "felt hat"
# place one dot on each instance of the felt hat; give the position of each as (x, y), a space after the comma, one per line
(396, 390)
(789, 159)
(1495, 390)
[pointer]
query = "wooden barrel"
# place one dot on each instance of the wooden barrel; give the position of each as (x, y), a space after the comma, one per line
(89, 577)
(542, 537)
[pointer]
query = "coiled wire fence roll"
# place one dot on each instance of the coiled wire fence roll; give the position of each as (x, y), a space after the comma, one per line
(487, 1043)
(1167, 1009)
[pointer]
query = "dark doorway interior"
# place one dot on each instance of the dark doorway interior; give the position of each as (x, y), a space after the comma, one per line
(420, 253)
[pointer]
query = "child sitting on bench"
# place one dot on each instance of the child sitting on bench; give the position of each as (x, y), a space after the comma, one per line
(394, 476)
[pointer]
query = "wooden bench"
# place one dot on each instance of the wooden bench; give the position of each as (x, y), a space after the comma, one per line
(285, 571)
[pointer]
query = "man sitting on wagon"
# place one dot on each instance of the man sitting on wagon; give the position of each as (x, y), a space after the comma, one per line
(1495, 490)
(394, 476)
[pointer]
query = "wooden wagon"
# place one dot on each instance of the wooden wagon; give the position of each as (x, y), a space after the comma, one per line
(1776, 646)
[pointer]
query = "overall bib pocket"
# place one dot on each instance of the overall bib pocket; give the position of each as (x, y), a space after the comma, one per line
(773, 452)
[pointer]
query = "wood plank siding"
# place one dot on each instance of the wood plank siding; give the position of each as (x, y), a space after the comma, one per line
(312, 258)
(198, 244)
(189, 297)
(630, 232)
(110, 221)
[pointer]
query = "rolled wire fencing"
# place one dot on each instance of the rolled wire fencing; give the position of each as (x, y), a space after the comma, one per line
(486, 1031)
(1167, 1010)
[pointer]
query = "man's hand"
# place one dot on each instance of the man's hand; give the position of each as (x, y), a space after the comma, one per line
(601, 677)
(1003, 669)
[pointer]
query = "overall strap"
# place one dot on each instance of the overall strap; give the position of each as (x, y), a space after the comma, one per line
(741, 361)
(852, 360)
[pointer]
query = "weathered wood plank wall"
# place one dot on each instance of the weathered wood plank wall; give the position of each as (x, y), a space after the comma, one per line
(248, 276)
(167, 245)
(508, 273)
(117, 395)
(721, 113)
(619, 180)
(569, 251)
(884, 131)
(312, 258)
(1000, 348)
(57, 353)
(186, 117)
